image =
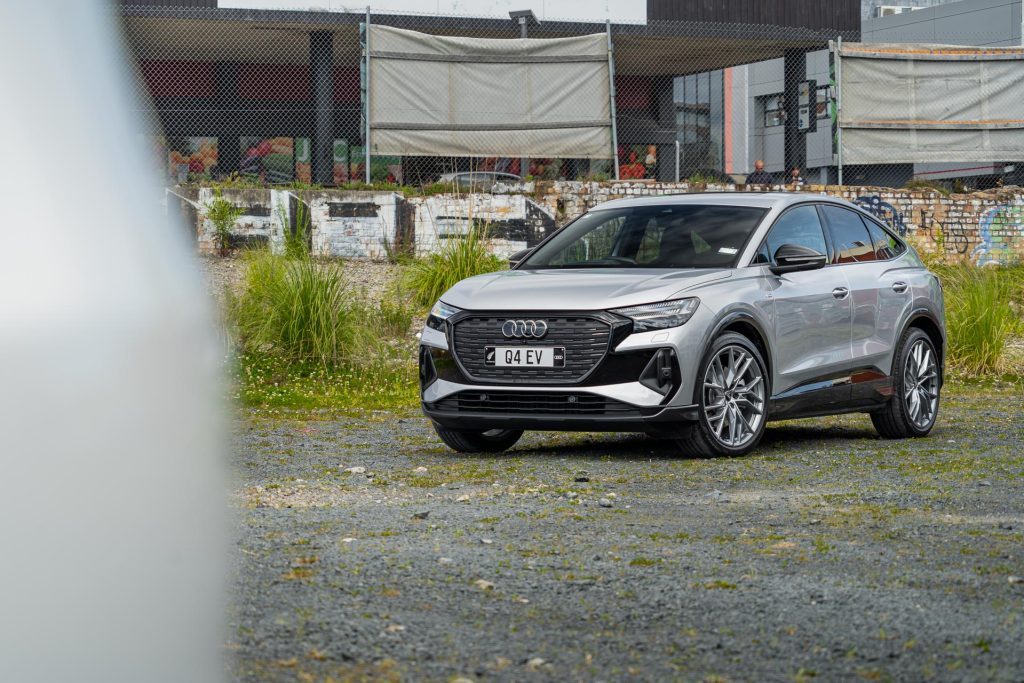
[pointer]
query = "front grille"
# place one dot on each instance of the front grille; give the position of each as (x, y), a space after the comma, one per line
(534, 403)
(585, 340)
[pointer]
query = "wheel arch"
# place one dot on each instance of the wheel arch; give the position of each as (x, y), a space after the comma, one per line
(923, 320)
(745, 324)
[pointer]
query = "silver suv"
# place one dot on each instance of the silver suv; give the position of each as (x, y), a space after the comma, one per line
(696, 317)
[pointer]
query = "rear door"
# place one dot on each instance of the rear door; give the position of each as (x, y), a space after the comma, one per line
(812, 308)
(879, 291)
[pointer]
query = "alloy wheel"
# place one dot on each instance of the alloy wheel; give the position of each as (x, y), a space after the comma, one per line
(734, 396)
(921, 384)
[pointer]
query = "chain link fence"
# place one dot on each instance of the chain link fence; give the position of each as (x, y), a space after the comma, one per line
(279, 96)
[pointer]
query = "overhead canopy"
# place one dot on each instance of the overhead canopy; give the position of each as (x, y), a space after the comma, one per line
(456, 96)
(666, 48)
(913, 103)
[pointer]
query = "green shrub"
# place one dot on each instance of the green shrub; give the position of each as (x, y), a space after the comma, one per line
(980, 316)
(297, 310)
(223, 215)
(432, 276)
(391, 318)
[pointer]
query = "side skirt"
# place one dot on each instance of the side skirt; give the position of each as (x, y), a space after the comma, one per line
(860, 391)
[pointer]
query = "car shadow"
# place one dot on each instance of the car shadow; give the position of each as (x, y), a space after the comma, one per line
(640, 447)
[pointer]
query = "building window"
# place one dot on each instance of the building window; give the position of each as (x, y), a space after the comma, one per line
(823, 102)
(773, 114)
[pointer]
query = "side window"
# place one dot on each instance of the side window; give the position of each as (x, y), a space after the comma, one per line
(849, 236)
(886, 246)
(798, 226)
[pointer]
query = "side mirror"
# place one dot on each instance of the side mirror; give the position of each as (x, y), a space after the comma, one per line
(515, 259)
(790, 258)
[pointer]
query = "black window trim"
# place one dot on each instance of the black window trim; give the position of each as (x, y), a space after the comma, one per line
(860, 212)
(865, 215)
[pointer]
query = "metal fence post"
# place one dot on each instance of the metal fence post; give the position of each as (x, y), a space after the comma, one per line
(366, 154)
(677, 160)
(839, 110)
(611, 90)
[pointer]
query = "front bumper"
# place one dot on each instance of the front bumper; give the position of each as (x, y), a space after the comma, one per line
(659, 421)
(642, 384)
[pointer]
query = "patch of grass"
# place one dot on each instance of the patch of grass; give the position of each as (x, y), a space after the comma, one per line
(822, 547)
(297, 310)
(980, 315)
(862, 514)
(458, 259)
(304, 342)
(644, 562)
(927, 185)
(719, 584)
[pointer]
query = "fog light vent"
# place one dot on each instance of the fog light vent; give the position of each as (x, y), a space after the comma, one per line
(657, 376)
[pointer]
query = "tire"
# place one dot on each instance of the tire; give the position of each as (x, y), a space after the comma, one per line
(732, 408)
(490, 441)
(912, 410)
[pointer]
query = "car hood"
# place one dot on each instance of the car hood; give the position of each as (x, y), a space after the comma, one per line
(576, 289)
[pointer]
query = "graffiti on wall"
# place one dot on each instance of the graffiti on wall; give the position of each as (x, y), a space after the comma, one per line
(883, 211)
(1000, 230)
(952, 236)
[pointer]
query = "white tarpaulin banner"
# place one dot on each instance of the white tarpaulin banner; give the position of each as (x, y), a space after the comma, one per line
(921, 103)
(453, 96)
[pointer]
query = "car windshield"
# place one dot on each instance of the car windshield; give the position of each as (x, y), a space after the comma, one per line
(675, 236)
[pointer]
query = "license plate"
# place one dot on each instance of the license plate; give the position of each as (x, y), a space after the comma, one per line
(525, 356)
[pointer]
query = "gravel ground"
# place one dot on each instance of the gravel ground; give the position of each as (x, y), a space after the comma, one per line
(828, 553)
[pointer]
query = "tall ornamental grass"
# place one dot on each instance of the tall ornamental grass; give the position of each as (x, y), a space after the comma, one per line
(982, 314)
(433, 275)
(300, 312)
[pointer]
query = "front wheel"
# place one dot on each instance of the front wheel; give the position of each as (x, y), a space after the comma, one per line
(472, 441)
(732, 399)
(912, 410)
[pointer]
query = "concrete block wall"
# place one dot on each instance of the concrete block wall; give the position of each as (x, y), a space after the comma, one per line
(983, 228)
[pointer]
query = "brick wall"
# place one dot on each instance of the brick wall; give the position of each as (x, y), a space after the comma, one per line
(983, 228)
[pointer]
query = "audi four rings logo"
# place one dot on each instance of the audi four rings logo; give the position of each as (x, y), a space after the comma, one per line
(524, 329)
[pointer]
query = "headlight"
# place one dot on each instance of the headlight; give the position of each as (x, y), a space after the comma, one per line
(439, 313)
(660, 316)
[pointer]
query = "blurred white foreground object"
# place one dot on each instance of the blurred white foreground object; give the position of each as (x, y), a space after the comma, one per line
(112, 520)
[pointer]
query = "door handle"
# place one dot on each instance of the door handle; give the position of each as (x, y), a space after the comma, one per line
(899, 287)
(840, 292)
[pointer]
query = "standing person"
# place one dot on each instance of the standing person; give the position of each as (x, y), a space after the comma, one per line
(759, 177)
(794, 177)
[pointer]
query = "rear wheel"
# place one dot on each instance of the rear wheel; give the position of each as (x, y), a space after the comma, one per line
(732, 400)
(915, 405)
(489, 441)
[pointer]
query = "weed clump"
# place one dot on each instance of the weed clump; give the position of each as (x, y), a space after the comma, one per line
(980, 316)
(458, 259)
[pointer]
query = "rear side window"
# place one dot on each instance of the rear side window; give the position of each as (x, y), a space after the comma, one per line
(886, 246)
(849, 236)
(798, 226)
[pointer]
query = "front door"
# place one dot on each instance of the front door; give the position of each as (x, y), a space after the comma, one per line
(813, 309)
